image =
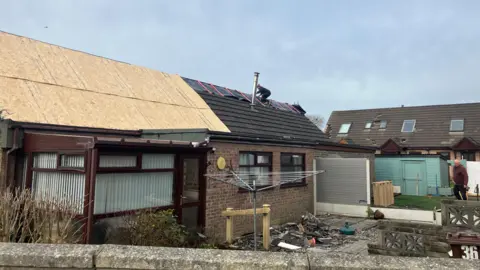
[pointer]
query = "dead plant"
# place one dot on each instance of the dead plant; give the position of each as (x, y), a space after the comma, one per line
(26, 219)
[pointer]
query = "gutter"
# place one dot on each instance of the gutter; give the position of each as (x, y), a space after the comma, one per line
(76, 129)
(278, 142)
(14, 148)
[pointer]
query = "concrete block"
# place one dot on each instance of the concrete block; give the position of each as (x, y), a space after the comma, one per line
(134, 257)
(47, 256)
(350, 261)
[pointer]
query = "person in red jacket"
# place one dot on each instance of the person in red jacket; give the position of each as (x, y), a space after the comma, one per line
(460, 179)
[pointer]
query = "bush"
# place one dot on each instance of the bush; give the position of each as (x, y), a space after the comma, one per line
(156, 228)
(26, 220)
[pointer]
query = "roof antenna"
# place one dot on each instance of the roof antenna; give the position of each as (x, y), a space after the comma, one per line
(255, 84)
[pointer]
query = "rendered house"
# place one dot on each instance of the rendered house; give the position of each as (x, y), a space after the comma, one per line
(113, 138)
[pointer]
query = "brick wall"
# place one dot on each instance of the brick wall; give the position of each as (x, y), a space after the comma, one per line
(287, 204)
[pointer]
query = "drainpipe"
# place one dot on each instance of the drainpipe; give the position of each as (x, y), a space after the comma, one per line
(9, 152)
(255, 84)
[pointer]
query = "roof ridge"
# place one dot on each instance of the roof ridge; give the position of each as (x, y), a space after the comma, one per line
(66, 48)
(101, 93)
(410, 107)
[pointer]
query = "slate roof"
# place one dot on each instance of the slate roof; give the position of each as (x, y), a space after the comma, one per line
(275, 120)
(265, 122)
(432, 127)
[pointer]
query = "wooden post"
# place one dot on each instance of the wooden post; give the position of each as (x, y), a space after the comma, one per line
(266, 227)
(229, 233)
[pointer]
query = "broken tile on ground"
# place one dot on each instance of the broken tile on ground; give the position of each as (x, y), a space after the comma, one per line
(325, 231)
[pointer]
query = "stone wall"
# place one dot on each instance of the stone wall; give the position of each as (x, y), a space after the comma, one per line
(411, 239)
(30, 256)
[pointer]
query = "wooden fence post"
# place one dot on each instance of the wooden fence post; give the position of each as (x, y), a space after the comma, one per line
(229, 233)
(266, 227)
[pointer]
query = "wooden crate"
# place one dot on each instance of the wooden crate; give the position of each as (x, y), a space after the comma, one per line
(383, 193)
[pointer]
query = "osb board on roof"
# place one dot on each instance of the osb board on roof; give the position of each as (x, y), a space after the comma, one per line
(50, 104)
(48, 84)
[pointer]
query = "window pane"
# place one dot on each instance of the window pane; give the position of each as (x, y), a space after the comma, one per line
(117, 161)
(344, 128)
(260, 174)
(58, 187)
(247, 159)
(368, 125)
(263, 159)
(286, 159)
(297, 160)
(72, 161)
(45, 160)
(129, 191)
(383, 124)
(456, 125)
(158, 161)
(408, 126)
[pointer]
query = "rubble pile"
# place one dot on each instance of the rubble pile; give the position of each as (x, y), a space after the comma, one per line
(310, 232)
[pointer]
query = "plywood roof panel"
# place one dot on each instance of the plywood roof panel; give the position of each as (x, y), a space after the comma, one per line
(44, 83)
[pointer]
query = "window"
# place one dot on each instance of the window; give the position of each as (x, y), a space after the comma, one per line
(456, 125)
(120, 161)
(72, 161)
(118, 192)
(468, 156)
(408, 126)
(344, 128)
(383, 124)
(368, 125)
(255, 166)
(292, 163)
(445, 154)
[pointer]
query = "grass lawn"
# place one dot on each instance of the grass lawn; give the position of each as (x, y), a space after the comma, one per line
(418, 202)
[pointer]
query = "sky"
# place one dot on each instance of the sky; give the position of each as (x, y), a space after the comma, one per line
(324, 55)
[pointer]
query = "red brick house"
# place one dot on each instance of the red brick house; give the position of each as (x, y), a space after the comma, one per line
(113, 138)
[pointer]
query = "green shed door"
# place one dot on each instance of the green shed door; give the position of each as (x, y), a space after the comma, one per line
(414, 182)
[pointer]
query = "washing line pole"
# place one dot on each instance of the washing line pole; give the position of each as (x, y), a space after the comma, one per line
(254, 214)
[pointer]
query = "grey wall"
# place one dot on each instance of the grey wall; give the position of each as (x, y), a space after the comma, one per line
(344, 180)
(332, 154)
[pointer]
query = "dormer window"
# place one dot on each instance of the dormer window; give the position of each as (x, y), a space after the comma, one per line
(456, 125)
(344, 128)
(408, 125)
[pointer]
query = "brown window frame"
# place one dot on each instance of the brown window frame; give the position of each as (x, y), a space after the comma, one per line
(256, 164)
(138, 166)
(59, 168)
(71, 153)
(303, 166)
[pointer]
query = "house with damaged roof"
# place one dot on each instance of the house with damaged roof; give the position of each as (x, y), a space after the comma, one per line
(113, 138)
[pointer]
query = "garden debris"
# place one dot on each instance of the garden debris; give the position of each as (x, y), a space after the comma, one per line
(311, 232)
